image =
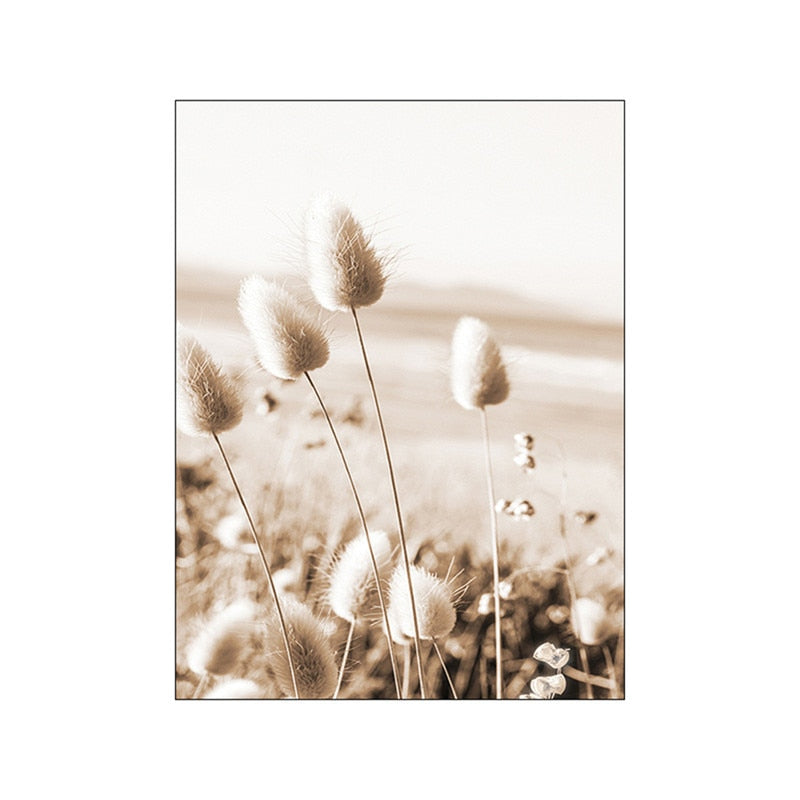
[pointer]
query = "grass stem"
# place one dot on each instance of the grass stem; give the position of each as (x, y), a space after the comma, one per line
(498, 639)
(363, 519)
(344, 658)
(400, 528)
(406, 668)
(444, 668)
(273, 589)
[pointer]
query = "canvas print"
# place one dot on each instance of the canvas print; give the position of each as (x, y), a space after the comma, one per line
(399, 400)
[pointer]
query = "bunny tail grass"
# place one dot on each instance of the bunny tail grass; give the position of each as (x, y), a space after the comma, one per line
(220, 645)
(400, 529)
(345, 270)
(206, 400)
(498, 639)
(288, 339)
(351, 588)
(478, 374)
(436, 611)
(311, 651)
(478, 378)
(373, 560)
(267, 570)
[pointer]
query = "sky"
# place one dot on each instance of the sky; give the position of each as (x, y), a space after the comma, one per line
(523, 196)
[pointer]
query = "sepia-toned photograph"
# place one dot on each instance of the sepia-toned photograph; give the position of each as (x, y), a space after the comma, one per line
(399, 400)
(457, 347)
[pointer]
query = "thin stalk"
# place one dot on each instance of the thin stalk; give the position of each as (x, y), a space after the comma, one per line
(444, 668)
(562, 526)
(612, 671)
(406, 668)
(396, 501)
(284, 631)
(205, 679)
(498, 643)
(344, 658)
(363, 518)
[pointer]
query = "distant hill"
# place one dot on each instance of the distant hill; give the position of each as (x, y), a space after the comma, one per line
(411, 308)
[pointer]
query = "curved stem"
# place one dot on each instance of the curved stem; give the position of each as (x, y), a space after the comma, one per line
(344, 658)
(498, 643)
(406, 668)
(363, 518)
(284, 631)
(446, 673)
(396, 502)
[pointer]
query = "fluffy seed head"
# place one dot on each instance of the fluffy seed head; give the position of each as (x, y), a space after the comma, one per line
(235, 689)
(312, 654)
(478, 374)
(206, 400)
(590, 621)
(289, 340)
(436, 614)
(221, 643)
(352, 591)
(396, 623)
(344, 269)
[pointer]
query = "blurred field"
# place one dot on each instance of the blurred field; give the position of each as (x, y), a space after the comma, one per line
(566, 381)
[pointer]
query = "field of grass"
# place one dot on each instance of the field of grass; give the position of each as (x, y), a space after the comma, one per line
(566, 391)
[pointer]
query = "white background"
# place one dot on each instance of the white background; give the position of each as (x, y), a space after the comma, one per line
(712, 435)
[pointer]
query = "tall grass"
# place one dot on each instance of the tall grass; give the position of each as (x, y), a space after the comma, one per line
(479, 379)
(344, 592)
(346, 273)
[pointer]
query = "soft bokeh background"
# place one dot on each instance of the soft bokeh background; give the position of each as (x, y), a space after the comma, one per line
(524, 196)
(507, 211)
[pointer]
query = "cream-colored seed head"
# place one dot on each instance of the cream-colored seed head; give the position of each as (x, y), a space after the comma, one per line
(288, 339)
(591, 621)
(352, 592)
(345, 270)
(312, 653)
(207, 402)
(221, 643)
(396, 623)
(478, 374)
(436, 614)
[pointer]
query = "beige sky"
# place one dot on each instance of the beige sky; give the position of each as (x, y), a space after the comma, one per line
(520, 195)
